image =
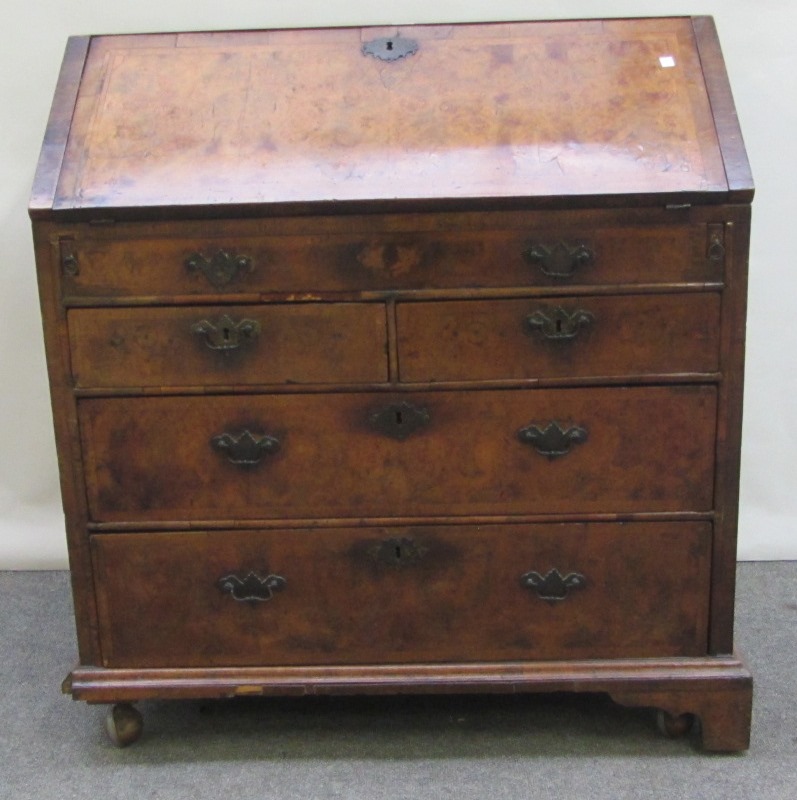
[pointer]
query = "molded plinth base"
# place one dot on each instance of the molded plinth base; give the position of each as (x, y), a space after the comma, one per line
(716, 690)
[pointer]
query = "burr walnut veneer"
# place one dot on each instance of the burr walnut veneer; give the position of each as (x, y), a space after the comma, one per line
(400, 360)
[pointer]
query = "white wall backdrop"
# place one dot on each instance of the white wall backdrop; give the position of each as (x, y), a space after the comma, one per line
(757, 38)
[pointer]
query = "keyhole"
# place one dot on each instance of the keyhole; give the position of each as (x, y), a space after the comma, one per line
(389, 45)
(558, 326)
(226, 333)
(399, 418)
(398, 552)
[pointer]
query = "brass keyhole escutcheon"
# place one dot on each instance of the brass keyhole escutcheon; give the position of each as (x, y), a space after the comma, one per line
(225, 334)
(390, 48)
(398, 552)
(558, 324)
(399, 420)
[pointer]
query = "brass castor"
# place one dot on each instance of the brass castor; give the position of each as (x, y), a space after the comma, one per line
(674, 725)
(124, 724)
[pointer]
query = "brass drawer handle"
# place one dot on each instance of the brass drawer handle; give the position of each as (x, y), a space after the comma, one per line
(221, 268)
(399, 420)
(252, 588)
(226, 334)
(245, 448)
(553, 440)
(558, 324)
(560, 260)
(552, 587)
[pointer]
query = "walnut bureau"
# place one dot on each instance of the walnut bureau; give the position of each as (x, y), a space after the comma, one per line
(400, 360)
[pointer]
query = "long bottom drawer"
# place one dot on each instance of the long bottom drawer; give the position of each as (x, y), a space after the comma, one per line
(381, 595)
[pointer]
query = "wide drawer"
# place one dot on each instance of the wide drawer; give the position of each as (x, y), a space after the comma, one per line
(567, 337)
(225, 345)
(381, 595)
(383, 254)
(380, 454)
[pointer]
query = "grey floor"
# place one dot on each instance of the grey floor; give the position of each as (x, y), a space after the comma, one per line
(559, 746)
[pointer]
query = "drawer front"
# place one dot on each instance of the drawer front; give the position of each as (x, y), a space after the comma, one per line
(567, 337)
(382, 595)
(226, 345)
(353, 256)
(376, 454)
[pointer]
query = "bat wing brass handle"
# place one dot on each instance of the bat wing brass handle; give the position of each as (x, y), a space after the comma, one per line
(251, 588)
(552, 440)
(553, 586)
(560, 260)
(245, 448)
(220, 268)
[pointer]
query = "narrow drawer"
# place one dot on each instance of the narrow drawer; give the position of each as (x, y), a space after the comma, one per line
(567, 337)
(380, 454)
(383, 254)
(382, 595)
(226, 345)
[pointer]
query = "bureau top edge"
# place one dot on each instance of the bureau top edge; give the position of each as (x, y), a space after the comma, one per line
(337, 208)
(553, 114)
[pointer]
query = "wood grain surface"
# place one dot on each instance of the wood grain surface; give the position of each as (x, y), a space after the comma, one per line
(460, 599)
(648, 449)
(506, 110)
(160, 346)
(492, 339)
(303, 258)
